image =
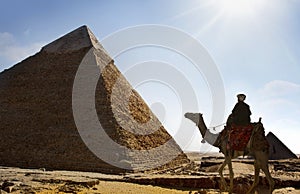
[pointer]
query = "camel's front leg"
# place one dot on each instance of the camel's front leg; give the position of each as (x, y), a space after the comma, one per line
(223, 182)
(231, 175)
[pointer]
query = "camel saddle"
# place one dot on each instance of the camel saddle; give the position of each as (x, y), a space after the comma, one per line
(239, 137)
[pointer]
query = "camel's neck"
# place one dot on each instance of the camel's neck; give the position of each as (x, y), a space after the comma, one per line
(205, 133)
(202, 126)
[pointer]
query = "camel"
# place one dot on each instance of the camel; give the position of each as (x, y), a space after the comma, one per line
(254, 148)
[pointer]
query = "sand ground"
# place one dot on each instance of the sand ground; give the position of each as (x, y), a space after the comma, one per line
(111, 187)
(17, 180)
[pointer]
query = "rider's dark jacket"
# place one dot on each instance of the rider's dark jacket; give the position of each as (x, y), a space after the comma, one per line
(241, 114)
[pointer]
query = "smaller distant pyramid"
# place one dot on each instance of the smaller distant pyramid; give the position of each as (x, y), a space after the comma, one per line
(277, 149)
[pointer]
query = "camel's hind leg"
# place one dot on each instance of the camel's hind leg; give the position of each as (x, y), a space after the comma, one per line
(256, 178)
(261, 159)
(265, 169)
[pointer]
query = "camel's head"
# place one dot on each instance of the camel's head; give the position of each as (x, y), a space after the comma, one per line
(195, 117)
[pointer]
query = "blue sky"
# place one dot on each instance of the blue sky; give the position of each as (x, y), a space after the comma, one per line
(255, 45)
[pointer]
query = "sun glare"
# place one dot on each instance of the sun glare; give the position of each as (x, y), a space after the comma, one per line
(239, 8)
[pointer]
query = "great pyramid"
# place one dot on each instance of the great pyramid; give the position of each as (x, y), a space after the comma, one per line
(39, 128)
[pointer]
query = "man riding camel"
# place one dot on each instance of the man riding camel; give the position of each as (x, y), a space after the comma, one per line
(240, 115)
(238, 125)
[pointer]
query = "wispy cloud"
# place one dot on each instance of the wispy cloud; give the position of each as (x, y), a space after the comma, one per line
(11, 51)
(280, 88)
(278, 99)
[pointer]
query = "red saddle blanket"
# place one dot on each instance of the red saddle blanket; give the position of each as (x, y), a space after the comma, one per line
(239, 136)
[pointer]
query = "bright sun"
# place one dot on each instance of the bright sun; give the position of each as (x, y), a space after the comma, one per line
(240, 7)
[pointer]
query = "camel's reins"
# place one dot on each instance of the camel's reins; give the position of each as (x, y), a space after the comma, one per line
(214, 128)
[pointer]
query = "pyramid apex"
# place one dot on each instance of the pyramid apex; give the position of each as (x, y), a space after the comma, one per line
(77, 39)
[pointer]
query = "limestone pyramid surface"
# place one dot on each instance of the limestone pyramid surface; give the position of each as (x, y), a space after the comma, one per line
(38, 126)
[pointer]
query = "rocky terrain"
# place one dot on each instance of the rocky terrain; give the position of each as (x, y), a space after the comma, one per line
(198, 176)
